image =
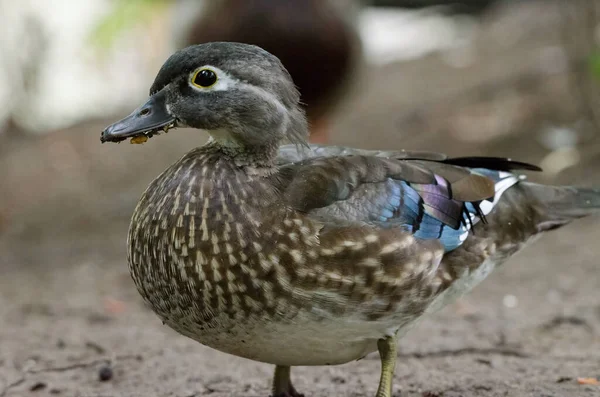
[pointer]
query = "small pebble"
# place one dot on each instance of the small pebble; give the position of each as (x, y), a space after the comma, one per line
(105, 373)
(484, 361)
(510, 301)
(563, 379)
(338, 380)
(38, 386)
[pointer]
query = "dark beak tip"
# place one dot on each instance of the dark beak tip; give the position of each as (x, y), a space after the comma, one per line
(137, 123)
(105, 135)
(108, 135)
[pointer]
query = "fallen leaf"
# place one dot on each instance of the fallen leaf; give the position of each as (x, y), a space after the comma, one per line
(588, 381)
(114, 306)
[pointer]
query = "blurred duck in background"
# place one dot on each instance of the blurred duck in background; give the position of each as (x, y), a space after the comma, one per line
(316, 40)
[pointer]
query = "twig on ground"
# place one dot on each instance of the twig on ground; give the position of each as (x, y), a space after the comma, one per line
(64, 368)
(503, 351)
(12, 385)
(570, 320)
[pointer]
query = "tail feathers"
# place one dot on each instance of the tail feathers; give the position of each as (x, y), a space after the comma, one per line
(563, 204)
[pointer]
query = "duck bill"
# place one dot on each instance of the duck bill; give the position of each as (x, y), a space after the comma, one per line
(149, 119)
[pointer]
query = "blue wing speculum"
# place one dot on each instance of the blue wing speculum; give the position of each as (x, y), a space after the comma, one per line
(429, 212)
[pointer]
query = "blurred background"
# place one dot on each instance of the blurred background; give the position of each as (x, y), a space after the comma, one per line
(514, 78)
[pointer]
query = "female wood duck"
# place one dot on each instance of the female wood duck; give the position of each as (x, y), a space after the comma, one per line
(316, 41)
(306, 254)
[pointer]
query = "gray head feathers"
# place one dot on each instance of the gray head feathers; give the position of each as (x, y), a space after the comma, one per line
(254, 102)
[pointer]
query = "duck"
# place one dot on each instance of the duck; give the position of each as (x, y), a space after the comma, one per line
(317, 41)
(261, 245)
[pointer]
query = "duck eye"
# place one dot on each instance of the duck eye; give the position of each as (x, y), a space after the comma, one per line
(204, 78)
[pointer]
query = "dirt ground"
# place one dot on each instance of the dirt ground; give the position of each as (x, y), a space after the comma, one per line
(73, 324)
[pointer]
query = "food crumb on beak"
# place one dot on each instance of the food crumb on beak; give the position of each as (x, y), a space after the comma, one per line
(136, 140)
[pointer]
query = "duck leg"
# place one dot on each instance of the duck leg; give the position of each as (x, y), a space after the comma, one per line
(282, 384)
(387, 352)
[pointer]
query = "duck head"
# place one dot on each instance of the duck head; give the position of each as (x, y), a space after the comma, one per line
(239, 93)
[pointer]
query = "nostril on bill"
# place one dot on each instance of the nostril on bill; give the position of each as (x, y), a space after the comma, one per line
(145, 112)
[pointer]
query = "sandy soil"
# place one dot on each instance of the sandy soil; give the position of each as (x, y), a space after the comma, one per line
(73, 324)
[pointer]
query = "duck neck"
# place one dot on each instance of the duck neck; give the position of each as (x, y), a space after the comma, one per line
(250, 157)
